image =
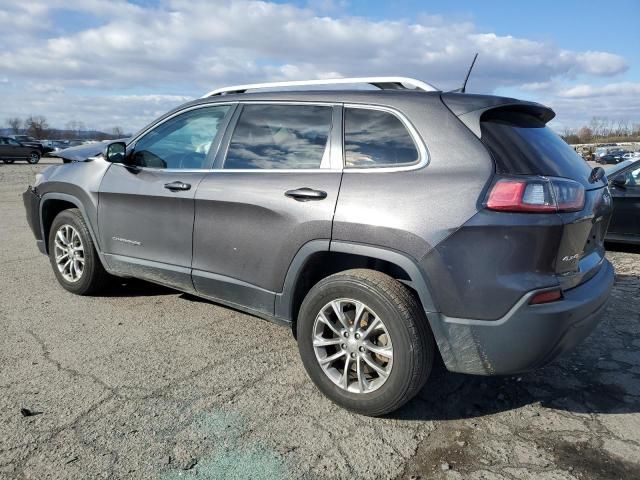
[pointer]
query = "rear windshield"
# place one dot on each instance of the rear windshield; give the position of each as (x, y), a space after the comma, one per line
(521, 144)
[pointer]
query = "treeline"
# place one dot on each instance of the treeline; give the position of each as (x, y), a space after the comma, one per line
(603, 130)
(37, 127)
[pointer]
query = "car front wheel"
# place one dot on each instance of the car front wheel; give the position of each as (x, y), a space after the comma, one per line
(73, 256)
(365, 341)
(34, 157)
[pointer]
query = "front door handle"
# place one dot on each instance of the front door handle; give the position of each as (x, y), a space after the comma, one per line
(305, 194)
(177, 186)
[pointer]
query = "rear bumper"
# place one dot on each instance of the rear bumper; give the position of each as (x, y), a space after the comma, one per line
(528, 336)
(31, 201)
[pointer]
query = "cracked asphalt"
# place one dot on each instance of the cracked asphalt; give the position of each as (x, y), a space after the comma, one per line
(145, 382)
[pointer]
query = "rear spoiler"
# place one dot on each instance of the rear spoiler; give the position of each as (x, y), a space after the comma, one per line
(470, 108)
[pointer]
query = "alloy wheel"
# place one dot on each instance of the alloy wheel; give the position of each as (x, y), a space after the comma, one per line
(352, 346)
(69, 253)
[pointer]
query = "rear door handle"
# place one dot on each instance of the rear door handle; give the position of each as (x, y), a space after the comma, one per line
(177, 186)
(304, 194)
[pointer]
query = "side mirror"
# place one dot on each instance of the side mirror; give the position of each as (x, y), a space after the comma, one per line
(619, 181)
(116, 152)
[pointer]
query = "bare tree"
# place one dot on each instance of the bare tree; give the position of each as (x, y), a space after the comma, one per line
(15, 123)
(117, 132)
(37, 126)
(585, 134)
(622, 129)
(567, 132)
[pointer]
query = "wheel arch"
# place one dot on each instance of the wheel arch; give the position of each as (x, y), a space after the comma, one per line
(321, 258)
(51, 205)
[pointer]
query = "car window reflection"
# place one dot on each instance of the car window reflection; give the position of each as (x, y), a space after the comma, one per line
(182, 142)
(279, 136)
(374, 138)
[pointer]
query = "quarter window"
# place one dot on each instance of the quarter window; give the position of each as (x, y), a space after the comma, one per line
(182, 142)
(375, 138)
(279, 136)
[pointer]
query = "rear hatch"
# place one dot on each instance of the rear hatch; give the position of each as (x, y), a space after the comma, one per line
(522, 145)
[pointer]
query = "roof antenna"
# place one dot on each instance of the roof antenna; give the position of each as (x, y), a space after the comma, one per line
(466, 79)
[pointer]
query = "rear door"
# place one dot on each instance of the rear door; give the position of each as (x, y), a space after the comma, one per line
(146, 208)
(274, 189)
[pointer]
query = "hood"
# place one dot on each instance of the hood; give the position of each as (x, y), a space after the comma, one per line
(84, 153)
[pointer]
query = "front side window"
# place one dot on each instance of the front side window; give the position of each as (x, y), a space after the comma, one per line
(375, 138)
(279, 136)
(182, 142)
(633, 178)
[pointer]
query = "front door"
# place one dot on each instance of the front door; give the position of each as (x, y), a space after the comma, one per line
(14, 149)
(274, 189)
(146, 207)
(625, 221)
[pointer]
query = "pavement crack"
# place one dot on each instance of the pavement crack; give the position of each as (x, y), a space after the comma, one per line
(46, 354)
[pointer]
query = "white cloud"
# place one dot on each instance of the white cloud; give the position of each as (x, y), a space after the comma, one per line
(129, 112)
(187, 47)
(609, 90)
(576, 105)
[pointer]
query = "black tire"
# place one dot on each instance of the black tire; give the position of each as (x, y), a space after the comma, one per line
(404, 319)
(34, 157)
(8, 161)
(94, 277)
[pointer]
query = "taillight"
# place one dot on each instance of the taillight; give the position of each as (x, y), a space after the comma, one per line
(535, 194)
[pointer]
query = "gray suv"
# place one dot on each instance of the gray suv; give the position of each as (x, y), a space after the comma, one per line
(384, 227)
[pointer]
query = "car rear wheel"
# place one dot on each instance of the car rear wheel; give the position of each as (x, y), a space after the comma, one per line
(73, 256)
(34, 157)
(365, 341)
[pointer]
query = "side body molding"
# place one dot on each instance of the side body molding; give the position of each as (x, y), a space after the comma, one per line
(283, 307)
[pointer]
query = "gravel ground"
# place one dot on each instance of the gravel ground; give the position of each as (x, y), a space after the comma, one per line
(146, 382)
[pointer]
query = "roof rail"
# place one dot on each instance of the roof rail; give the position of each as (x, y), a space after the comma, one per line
(383, 83)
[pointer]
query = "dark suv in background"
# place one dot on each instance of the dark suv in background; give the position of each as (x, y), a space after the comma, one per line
(384, 227)
(12, 150)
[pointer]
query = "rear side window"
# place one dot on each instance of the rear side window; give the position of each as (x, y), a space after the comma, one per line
(279, 136)
(521, 144)
(375, 138)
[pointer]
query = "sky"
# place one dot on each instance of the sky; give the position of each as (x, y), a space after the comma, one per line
(117, 63)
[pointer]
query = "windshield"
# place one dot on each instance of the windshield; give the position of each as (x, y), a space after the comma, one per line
(521, 144)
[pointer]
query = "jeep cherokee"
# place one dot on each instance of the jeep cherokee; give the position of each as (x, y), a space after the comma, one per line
(383, 226)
